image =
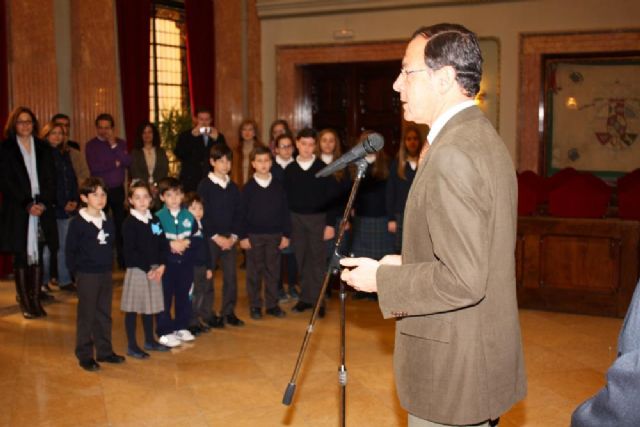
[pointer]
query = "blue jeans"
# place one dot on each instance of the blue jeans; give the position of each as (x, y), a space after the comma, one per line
(64, 278)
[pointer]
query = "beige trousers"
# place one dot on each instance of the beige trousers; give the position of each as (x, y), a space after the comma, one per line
(419, 422)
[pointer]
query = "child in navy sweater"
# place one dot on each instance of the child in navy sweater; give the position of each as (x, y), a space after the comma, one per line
(266, 227)
(178, 226)
(202, 299)
(221, 221)
(89, 255)
(144, 251)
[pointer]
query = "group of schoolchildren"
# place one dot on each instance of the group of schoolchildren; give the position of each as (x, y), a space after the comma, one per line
(170, 255)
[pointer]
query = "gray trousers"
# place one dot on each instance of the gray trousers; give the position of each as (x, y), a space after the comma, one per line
(229, 277)
(307, 238)
(263, 263)
(202, 295)
(93, 323)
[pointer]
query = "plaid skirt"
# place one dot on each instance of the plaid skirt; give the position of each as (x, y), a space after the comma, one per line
(371, 238)
(140, 295)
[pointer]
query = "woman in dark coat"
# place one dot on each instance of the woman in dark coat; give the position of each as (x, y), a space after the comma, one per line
(28, 221)
(149, 162)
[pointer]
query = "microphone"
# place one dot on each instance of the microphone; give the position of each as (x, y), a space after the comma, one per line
(372, 144)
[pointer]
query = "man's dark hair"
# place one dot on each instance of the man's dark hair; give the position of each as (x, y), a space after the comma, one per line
(259, 150)
(454, 45)
(168, 183)
(203, 110)
(91, 185)
(306, 133)
(219, 151)
(59, 116)
(107, 117)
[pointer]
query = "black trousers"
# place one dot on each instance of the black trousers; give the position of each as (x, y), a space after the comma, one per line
(263, 263)
(115, 202)
(229, 277)
(307, 233)
(93, 323)
(202, 295)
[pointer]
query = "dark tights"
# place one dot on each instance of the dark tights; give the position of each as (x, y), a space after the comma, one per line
(130, 327)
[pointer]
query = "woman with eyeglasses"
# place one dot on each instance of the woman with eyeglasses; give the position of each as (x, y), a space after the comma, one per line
(28, 221)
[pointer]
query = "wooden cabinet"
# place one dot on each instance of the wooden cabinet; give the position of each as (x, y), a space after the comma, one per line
(583, 266)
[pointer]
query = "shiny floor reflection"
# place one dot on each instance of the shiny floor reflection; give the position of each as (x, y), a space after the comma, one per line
(236, 376)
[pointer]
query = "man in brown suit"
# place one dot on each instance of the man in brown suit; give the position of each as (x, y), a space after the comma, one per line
(458, 352)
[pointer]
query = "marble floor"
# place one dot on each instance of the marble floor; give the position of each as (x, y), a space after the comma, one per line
(236, 376)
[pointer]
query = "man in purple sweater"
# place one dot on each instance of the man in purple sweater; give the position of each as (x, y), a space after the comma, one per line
(108, 159)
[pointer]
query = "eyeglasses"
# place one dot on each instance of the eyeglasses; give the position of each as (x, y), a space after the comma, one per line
(285, 147)
(24, 122)
(406, 73)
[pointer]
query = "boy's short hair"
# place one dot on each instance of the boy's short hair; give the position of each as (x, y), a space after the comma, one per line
(219, 151)
(260, 150)
(90, 185)
(169, 183)
(192, 197)
(281, 137)
(306, 133)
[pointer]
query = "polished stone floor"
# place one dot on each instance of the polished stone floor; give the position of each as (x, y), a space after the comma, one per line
(236, 376)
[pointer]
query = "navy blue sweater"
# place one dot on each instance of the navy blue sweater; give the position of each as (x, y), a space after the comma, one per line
(143, 244)
(265, 210)
(199, 248)
(398, 189)
(88, 249)
(221, 208)
(307, 194)
(370, 200)
(66, 182)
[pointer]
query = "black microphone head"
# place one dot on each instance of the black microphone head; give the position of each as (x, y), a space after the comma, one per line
(373, 143)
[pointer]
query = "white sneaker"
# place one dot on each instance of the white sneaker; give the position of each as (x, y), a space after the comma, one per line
(184, 335)
(170, 340)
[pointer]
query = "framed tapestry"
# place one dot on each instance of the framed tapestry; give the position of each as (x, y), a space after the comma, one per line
(592, 113)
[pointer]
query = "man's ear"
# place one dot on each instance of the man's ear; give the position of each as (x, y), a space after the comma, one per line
(446, 78)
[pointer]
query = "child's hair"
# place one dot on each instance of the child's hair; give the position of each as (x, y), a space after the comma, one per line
(168, 183)
(135, 184)
(91, 185)
(219, 151)
(306, 133)
(192, 197)
(283, 136)
(259, 151)
(337, 149)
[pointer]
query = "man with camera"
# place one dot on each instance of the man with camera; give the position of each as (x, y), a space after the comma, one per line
(193, 149)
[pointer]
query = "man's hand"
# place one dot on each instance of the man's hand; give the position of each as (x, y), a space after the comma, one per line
(284, 243)
(329, 232)
(70, 206)
(245, 244)
(392, 227)
(209, 274)
(363, 276)
(391, 260)
(36, 209)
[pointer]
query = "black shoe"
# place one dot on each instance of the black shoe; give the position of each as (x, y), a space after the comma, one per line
(89, 365)
(112, 358)
(255, 313)
(301, 306)
(321, 312)
(195, 330)
(275, 312)
(137, 353)
(69, 288)
(233, 320)
(359, 295)
(216, 322)
(155, 346)
(204, 327)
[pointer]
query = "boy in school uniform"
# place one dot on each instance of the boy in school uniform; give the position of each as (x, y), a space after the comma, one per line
(266, 227)
(202, 270)
(221, 221)
(178, 226)
(89, 253)
(312, 222)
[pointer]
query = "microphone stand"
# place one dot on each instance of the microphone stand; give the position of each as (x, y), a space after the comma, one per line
(332, 270)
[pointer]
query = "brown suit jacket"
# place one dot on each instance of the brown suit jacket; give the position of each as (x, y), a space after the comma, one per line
(458, 352)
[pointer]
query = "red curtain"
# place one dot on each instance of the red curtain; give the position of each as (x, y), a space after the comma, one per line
(200, 53)
(134, 26)
(5, 259)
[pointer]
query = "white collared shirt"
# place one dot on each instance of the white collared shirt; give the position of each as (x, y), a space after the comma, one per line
(264, 183)
(327, 158)
(219, 181)
(306, 164)
(145, 217)
(282, 162)
(412, 164)
(439, 123)
(97, 221)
